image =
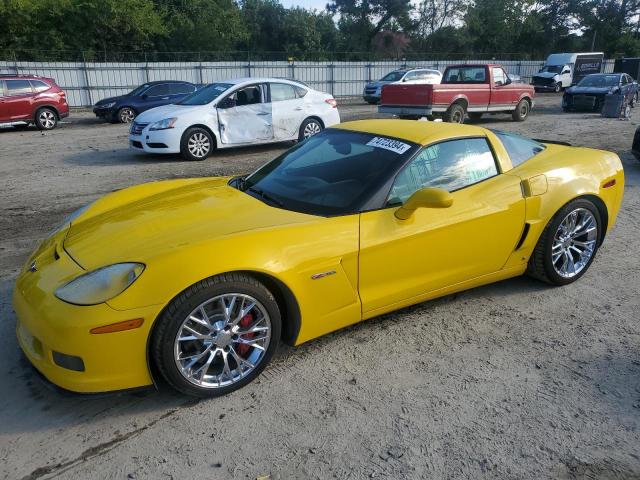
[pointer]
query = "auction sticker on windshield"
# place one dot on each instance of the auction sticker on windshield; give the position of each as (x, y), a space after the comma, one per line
(389, 144)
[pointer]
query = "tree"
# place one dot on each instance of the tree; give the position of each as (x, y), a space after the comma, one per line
(361, 20)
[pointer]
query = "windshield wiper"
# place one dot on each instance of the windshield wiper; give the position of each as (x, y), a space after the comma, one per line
(265, 196)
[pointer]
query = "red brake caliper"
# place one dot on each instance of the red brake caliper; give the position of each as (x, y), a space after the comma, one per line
(242, 348)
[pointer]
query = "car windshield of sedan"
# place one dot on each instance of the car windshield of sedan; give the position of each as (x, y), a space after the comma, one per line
(393, 77)
(206, 94)
(332, 173)
(599, 81)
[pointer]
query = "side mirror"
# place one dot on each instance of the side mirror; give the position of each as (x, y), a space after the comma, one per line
(144, 96)
(228, 102)
(424, 198)
(508, 81)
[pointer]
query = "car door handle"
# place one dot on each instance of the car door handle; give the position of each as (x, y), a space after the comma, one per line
(264, 113)
(165, 98)
(299, 108)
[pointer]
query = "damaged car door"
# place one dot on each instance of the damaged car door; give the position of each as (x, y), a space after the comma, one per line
(245, 116)
(288, 110)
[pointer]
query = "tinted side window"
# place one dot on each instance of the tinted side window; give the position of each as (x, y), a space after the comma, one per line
(39, 86)
(282, 91)
(449, 165)
(248, 96)
(18, 87)
(520, 149)
(181, 88)
(158, 90)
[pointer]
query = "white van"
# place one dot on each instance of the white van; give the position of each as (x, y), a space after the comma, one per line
(561, 70)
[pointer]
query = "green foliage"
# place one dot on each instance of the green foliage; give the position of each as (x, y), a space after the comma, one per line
(224, 29)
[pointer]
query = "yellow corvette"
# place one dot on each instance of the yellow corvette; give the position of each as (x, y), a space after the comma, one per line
(204, 277)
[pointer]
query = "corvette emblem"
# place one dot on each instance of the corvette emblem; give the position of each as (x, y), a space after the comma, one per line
(33, 267)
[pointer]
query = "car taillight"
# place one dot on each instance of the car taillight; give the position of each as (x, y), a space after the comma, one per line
(332, 102)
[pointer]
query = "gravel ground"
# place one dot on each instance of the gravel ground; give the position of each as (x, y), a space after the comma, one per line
(515, 380)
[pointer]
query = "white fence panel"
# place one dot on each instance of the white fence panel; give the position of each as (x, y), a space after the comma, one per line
(86, 83)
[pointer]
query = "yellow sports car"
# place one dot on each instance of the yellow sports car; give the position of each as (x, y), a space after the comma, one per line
(204, 277)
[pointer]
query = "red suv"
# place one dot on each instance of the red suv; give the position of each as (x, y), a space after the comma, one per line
(27, 99)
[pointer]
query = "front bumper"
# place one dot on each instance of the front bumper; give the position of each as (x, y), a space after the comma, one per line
(159, 141)
(49, 330)
(102, 112)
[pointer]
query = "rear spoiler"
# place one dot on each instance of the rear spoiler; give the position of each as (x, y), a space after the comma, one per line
(554, 142)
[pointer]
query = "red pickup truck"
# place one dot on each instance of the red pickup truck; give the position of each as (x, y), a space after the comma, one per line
(472, 89)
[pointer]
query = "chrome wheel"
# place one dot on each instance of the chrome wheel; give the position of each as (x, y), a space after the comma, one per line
(47, 119)
(199, 145)
(574, 243)
(222, 341)
(312, 128)
(127, 115)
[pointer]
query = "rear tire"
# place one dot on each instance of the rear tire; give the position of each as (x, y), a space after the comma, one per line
(219, 336)
(556, 244)
(521, 112)
(46, 119)
(309, 128)
(454, 114)
(196, 144)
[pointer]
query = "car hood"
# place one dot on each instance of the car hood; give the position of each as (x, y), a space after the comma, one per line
(545, 74)
(150, 220)
(377, 84)
(165, 111)
(108, 100)
(589, 90)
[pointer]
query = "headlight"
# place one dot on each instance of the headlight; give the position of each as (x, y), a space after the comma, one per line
(100, 285)
(107, 105)
(163, 124)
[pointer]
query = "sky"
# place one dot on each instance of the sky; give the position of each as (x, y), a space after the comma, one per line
(317, 4)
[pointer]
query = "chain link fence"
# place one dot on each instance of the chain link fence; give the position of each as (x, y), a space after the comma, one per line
(87, 81)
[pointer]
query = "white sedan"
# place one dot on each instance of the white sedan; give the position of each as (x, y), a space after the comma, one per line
(246, 111)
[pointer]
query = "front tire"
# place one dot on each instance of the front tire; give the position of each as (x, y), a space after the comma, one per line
(557, 88)
(46, 119)
(568, 244)
(125, 115)
(521, 112)
(634, 100)
(217, 336)
(309, 128)
(196, 144)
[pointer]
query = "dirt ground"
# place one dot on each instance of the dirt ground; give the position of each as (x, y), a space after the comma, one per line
(515, 380)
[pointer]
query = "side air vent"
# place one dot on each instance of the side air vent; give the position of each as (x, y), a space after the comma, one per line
(523, 237)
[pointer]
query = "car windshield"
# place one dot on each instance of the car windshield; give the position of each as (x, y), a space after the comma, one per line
(332, 173)
(206, 94)
(552, 68)
(599, 81)
(393, 77)
(139, 90)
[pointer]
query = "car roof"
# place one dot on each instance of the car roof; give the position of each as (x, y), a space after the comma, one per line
(422, 133)
(243, 80)
(156, 82)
